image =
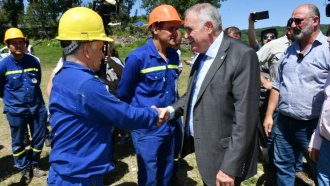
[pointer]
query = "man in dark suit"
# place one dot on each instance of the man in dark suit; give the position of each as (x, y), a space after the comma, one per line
(220, 107)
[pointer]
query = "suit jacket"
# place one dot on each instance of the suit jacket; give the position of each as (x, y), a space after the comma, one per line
(226, 112)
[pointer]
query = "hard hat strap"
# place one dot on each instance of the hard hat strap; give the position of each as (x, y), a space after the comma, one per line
(72, 47)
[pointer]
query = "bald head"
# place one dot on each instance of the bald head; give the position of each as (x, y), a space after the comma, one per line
(306, 22)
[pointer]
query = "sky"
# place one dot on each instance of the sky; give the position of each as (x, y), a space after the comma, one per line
(236, 12)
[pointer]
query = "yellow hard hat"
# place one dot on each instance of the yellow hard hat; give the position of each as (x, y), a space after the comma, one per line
(164, 13)
(13, 33)
(81, 24)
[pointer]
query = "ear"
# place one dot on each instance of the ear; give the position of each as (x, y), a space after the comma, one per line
(86, 50)
(316, 20)
(155, 29)
(209, 27)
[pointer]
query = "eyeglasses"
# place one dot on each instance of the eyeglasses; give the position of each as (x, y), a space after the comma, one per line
(269, 36)
(297, 21)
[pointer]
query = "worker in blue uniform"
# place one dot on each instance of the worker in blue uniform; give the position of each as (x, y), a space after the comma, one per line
(20, 77)
(149, 78)
(82, 111)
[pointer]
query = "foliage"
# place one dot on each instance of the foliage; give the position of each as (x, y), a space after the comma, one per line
(14, 8)
(42, 16)
(180, 6)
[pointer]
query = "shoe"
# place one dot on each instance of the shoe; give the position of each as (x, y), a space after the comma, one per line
(303, 177)
(47, 141)
(26, 176)
(37, 172)
(270, 178)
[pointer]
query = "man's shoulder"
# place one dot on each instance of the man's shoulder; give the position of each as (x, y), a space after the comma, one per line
(140, 51)
(236, 44)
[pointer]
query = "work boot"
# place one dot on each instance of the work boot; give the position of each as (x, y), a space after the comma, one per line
(303, 177)
(26, 176)
(37, 172)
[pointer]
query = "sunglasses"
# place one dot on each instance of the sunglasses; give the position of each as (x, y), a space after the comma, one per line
(297, 21)
(269, 36)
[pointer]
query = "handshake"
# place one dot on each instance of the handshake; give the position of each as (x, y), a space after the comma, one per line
(163, 115)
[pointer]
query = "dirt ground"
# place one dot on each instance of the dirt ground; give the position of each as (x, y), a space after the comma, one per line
(125, 173)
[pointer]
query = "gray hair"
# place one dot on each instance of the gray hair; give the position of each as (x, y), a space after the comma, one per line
(207, 12)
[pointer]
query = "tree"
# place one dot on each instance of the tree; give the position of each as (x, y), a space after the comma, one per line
(14, 9)
(43, 15)
(180, 5)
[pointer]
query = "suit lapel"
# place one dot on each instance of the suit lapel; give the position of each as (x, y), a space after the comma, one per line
(217, 63)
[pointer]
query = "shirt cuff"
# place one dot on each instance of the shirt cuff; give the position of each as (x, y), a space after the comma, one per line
(171, 110)
(316, 140)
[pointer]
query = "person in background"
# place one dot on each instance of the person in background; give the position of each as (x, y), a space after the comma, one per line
(220, 106)
(82, 111)
(29, 48)
(150, 78)
(297, 92)
(177, 47)
(178, 133)
(265, 36)
(233, 32)
(319, 145)
(269, 57)
(20, 78)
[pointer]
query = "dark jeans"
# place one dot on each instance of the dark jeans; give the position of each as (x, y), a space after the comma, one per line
(292, 136)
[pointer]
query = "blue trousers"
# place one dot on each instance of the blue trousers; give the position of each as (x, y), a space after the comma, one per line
(270, 144)
(155, 158)
(323, 165)
(54, 179)
(18, 126)
(291, 136)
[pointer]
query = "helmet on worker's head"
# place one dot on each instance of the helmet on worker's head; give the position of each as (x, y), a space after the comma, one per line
(81, 24)
(164, 13)
(13, 33)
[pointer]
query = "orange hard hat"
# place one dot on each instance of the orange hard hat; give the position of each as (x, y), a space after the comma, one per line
(164, 13)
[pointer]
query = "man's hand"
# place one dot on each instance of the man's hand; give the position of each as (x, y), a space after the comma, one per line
(314, 154)
(163, 115)
(224, 179)
(268, 125)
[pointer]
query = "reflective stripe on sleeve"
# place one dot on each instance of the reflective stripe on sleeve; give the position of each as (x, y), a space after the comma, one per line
(159, 68)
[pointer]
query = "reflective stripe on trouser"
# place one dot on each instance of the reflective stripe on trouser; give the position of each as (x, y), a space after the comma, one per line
(18, 126)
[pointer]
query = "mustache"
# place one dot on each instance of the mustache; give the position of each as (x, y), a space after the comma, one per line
(296, 30)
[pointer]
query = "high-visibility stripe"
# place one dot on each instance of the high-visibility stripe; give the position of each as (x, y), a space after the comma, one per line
(20, 153)
(31, 69)
(13, 72)
(20, 71)
(35, 150)
(173, 66)
(153, 69)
